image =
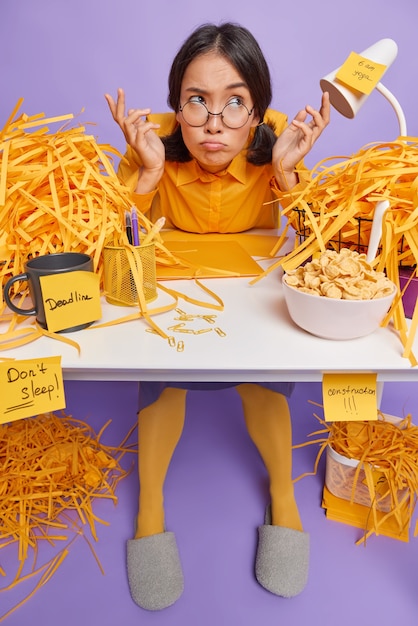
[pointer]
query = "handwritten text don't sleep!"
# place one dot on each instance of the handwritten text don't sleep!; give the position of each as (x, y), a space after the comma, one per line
(30, 387)
(32, 382)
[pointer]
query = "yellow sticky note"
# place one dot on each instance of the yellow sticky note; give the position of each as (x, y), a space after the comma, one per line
(349, 397)
(71, 299)
(30, 387)
(360, 73)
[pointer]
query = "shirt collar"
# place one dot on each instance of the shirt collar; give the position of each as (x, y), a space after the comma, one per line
(191, 171)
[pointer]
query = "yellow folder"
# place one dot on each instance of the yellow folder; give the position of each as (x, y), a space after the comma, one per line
(214, 255)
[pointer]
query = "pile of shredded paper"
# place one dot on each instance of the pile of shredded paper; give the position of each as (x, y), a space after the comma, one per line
(392, 447)
(58, 192)
(52, 469)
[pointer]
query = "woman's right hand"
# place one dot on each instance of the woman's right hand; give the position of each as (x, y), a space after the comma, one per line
(139, 133)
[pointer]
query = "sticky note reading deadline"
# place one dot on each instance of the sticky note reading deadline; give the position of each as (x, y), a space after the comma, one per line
(70, 299)
(349, 397)
(30, 387)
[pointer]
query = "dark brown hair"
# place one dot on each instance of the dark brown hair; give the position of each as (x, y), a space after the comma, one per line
(241, 49)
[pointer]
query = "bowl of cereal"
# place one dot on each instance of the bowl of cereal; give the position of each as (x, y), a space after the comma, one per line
(338, 295)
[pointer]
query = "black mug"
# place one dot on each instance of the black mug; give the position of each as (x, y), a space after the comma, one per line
(58, 263)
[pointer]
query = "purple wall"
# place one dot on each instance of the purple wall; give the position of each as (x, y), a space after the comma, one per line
(63, 55)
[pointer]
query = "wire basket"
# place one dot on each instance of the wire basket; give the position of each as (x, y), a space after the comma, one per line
(119, 283)
(344, 480)
(357, 239)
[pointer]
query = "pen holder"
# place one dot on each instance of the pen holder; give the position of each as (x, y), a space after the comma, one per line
(119, 282)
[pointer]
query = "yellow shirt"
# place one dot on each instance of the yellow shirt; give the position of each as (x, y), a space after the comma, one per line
(194, 200)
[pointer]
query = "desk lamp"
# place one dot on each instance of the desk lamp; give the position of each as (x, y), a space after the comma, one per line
(348, 100)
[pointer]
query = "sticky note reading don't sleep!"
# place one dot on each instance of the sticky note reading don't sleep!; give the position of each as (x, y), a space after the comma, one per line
(30, 387)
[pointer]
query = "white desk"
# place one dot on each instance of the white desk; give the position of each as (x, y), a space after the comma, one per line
(261, 344)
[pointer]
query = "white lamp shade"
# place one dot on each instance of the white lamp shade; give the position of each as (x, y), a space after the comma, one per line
(349, 101)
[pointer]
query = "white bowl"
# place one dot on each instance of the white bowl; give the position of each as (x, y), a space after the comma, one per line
(330, 318)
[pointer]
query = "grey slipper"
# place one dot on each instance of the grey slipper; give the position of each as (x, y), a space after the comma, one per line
(154, 571)
(282, 560)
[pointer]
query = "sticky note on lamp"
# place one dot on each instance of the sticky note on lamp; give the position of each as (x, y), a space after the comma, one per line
(360, 73)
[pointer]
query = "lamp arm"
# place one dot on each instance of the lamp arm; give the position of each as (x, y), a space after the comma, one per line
(396, 106)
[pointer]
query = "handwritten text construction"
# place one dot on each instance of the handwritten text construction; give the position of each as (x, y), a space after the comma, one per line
(349, 397)
(352, 391)
(30, 387)
(360, 73)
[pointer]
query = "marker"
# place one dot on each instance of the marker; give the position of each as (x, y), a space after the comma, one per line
(135, 230)
(154, 230)
(128, 226)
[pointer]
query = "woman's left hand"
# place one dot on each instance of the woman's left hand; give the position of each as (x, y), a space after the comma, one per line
(298, 138)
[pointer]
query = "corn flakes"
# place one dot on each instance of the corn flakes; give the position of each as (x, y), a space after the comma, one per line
(343, 275)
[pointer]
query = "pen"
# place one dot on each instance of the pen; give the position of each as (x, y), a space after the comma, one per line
(154, 230)
(128, 226)
(135, 230)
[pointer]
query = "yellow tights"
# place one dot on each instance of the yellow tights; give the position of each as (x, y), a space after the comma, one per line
(269, 425)
(159, 429)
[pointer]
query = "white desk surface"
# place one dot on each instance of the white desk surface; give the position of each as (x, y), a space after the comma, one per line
(261, 343)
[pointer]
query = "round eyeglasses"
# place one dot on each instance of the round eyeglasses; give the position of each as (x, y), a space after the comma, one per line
(233, 115)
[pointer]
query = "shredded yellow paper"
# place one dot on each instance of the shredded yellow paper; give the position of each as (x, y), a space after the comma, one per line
(387, 455)
(343, 191)
(58, 193)
(52, 469)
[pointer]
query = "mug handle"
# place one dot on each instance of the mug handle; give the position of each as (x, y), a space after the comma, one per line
(9, 303)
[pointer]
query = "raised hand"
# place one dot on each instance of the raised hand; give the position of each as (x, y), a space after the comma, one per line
(138, 132)
(298, 138)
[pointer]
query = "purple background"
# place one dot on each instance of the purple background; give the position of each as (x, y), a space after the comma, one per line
(62, 56)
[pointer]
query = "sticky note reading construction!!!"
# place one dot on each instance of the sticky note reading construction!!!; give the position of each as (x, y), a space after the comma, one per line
(349, 397)
(360, 73)
(71, 299)
(30, 387)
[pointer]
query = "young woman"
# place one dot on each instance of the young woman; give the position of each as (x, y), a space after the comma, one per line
(213, 165)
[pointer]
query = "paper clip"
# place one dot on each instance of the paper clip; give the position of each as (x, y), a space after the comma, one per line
(171, 342)
(202, 330)
(180, 311)
(220, 332)
(176, 326)
(185, 318)
(209, 318)
(180, 346)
